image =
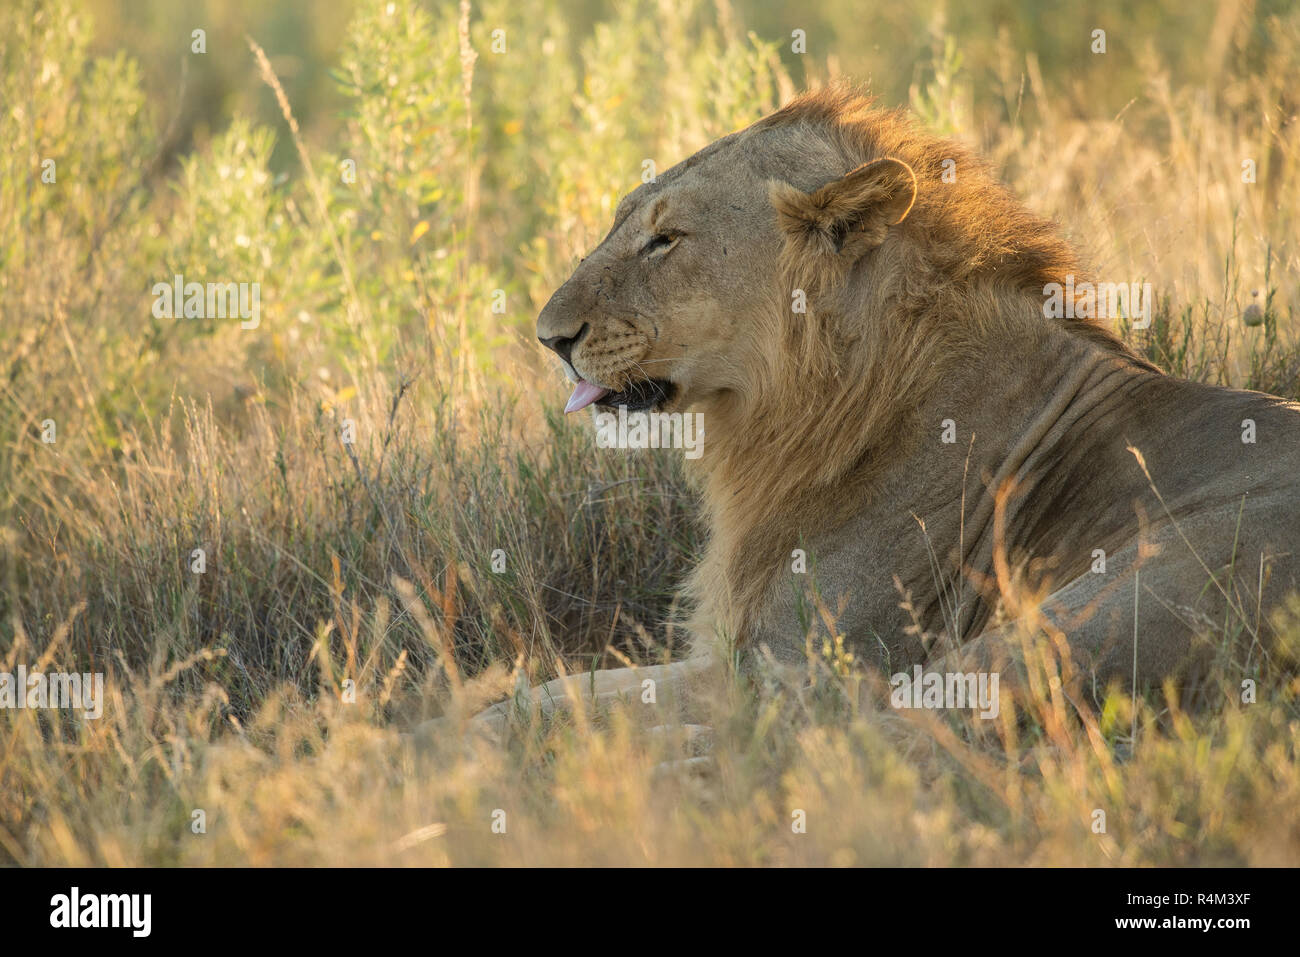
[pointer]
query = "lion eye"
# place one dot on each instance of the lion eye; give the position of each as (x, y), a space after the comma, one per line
(660, 242)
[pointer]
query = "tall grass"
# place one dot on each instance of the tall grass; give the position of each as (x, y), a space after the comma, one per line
(471, 537)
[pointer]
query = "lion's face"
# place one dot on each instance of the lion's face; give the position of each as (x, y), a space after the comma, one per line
(650, 319)
(667, 311)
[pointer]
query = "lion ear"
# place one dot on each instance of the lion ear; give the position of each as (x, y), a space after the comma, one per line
(851, 215)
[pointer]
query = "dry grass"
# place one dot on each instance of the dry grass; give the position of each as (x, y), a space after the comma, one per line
(372, 563)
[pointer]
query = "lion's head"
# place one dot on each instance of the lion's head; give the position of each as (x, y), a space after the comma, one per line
(656, 315)
(722, 278)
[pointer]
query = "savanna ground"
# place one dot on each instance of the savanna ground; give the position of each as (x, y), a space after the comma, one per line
(349, 591)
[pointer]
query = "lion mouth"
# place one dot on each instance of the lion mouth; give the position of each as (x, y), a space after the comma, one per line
(637, 397)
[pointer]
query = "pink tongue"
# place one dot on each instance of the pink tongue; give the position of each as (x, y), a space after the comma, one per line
(584, 393)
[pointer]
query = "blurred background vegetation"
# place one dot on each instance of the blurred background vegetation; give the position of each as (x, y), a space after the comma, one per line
(404, 298)
(890, 46)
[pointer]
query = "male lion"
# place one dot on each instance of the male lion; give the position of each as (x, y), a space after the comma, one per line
(1146, 516)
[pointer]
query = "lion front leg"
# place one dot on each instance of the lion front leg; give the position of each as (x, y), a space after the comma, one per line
(657, 692)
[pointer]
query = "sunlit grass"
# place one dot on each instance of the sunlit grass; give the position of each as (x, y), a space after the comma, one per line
(367, 569)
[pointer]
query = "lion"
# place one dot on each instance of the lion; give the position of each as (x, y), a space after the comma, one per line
(857, 310)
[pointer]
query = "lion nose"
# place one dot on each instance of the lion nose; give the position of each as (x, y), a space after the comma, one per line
(563, 345)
